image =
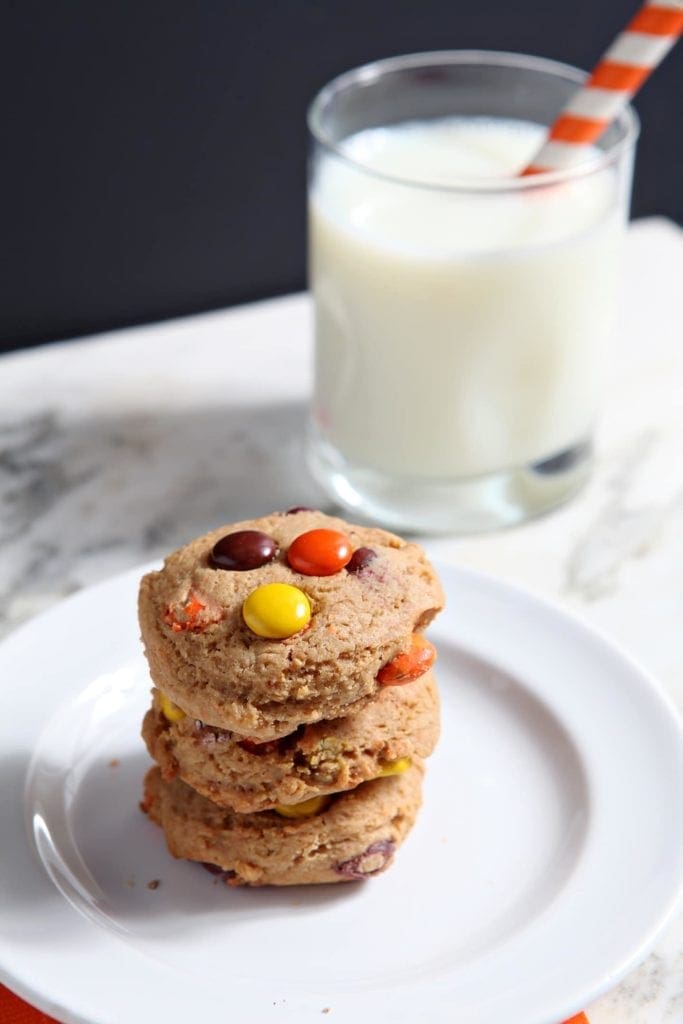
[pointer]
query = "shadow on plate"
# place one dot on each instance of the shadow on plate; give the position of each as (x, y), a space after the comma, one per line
(111, 861)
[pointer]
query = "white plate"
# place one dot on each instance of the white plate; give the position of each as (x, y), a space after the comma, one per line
(546, 859)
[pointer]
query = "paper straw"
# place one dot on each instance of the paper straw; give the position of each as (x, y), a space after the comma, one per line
(629, 61)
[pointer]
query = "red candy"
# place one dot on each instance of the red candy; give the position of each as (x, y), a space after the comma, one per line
(406, 667)
(319, 552)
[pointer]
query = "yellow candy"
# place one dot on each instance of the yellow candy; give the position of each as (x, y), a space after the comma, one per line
(306, 809)
(397, 767)
(171, 711)
(276, 610)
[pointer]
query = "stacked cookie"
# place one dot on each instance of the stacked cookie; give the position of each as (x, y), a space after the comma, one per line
(294, 700)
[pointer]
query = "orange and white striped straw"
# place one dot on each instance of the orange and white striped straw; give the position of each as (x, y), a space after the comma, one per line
(629, 61)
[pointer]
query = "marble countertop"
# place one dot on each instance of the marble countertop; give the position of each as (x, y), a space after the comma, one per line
(117, 448)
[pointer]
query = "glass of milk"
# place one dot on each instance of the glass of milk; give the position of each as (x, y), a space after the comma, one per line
(462, 312)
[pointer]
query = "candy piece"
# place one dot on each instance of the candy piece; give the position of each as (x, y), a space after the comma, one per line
(244, 549)
(361, 559)
(305, 809)
(276, 610)
(187, 616)
(397, 767)
(319, 552)
(406, 667)
(194, 614)
(170, 711)
(370, 862)
(213, 869)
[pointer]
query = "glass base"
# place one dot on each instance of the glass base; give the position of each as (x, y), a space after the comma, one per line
(465, 505)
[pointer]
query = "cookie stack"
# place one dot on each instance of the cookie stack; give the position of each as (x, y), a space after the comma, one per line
(294, 700)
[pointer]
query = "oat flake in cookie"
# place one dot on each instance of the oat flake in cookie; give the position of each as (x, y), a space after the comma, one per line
(217, 638)
(354, 838)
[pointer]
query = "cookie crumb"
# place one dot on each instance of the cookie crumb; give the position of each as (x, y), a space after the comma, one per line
(154, 884)
(114, 763)
(325, 1009)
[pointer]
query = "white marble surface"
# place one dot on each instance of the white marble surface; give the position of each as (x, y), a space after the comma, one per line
(114, 449)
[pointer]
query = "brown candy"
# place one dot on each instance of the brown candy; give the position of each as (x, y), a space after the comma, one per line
(242, 550)
(361, 559)
(369, 862)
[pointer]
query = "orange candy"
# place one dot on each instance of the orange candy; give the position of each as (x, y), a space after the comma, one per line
(319, 552)
(194, 615)
(406, 667)
(189, 615)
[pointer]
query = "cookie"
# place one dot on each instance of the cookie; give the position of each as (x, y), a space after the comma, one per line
(351, 606)
(402, 723)
(355, 837)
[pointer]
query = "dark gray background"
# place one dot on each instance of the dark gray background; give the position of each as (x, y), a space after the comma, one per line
(154, 153)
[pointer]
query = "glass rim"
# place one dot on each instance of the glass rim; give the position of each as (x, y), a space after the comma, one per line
(627, 119)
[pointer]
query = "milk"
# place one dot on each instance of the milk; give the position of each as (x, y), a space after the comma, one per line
(458, 333)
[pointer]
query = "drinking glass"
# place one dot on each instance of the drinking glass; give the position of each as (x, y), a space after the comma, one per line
(461, 326)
